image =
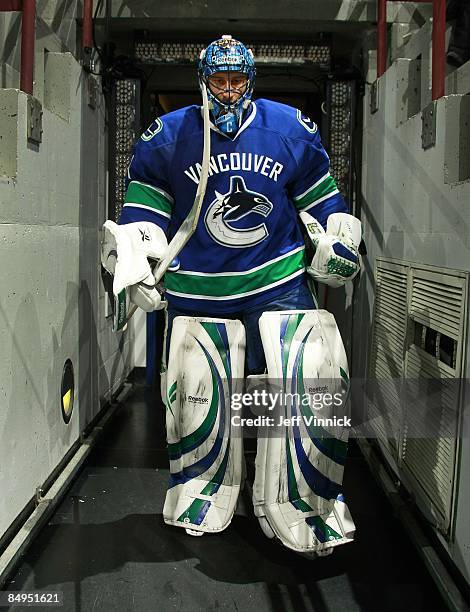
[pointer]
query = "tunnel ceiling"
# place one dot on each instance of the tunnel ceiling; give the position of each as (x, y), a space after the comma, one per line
(348, 21)
(217, 12)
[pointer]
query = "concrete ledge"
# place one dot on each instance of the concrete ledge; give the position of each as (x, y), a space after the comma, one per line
(418, 43)
(457, 139)
(57, 80)
(408, 89)
(458, 81)
(9, 121)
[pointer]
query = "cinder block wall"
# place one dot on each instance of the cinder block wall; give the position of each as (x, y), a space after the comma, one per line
(52, 304)
(414, 201)
(415, 208)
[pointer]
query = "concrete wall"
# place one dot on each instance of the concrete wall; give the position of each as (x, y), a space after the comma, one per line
(60, 16)
(414, 207)
(46, 40)
(56, 27)
(52, 304)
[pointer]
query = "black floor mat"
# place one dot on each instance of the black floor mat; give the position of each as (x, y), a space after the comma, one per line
(107, 548)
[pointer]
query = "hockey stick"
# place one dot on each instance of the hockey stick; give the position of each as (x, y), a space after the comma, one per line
(185, 231)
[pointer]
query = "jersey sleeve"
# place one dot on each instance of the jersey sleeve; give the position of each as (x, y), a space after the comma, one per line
(148, 195)
(313, 189)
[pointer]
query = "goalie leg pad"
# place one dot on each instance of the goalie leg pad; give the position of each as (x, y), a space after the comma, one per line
(205, 367)
(297, 493)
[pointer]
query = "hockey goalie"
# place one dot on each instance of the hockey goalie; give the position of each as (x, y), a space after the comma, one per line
(228, 187)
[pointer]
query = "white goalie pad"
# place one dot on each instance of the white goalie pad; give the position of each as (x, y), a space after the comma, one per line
(205, 367)
(297, 494)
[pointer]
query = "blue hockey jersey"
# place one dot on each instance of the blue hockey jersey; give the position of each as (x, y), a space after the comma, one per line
(248, 247)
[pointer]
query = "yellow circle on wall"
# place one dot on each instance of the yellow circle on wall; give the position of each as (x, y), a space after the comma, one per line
(67, 391)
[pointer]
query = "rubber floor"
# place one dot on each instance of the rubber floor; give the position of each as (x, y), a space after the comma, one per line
(107, 548)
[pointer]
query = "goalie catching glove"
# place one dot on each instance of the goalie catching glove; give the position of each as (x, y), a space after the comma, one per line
(125, 251)
(336, 258)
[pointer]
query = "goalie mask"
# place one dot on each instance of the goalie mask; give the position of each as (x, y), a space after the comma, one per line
(227, 70)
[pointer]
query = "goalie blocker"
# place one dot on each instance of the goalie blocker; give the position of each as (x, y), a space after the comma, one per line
(336, 259)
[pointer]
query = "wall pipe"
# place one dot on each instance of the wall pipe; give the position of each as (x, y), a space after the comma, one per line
(87, 35)
(28, 30)
(381, 37)
(438, 43)
(438, 49)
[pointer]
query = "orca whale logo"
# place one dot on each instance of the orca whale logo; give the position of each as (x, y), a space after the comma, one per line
(229, 208)
(308, 124)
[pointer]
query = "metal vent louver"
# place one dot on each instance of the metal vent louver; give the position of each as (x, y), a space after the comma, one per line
(417, 353)
(437, 300)
(386, 360)
(430, 432)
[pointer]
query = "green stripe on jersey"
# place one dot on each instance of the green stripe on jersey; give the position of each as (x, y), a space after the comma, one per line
(327, 186)
(138, 193)
(220, 285)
